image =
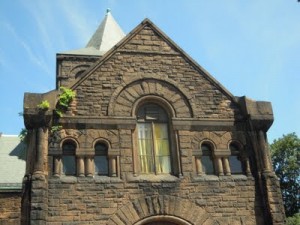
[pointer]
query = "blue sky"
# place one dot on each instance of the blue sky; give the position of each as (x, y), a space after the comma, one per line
(251, 47)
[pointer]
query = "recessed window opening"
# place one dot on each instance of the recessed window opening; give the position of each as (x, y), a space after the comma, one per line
(207, 160)
(153, 140)
(100, 159)
(235, 159)
(79, 73)
(68, 158)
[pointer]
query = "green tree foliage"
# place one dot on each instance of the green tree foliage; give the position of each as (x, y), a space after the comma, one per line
(285, 153)
(294, 220)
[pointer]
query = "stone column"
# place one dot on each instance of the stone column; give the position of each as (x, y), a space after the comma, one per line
(89, 161)
(113, 166)
(198, 165)
(41, 150)
(220, 166)
(248, 171)
(226, 166)
(56, 166)
(80, 166)
(264, 151)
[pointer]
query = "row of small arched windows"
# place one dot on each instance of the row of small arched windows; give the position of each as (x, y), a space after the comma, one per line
(99, 161)
(208, 163)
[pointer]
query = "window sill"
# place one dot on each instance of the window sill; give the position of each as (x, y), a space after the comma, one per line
(233, 177)
(106, 179)
(89, 179)
(152, 178)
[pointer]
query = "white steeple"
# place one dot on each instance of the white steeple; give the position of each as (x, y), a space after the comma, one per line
(106, 36)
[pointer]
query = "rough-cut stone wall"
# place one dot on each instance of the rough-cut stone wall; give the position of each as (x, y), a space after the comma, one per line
(96, 200)
(71, 67)
(228, 199)
(133, 64)
(10, 208)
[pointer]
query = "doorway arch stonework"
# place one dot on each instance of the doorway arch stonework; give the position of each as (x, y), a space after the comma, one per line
(162, 220)
(162, 208)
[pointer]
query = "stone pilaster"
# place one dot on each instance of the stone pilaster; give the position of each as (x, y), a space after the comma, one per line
(264, 151)
(39, 183)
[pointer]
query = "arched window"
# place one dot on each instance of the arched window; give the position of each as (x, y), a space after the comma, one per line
(153, 140)
(235, 159)
(68, 158)
(79, 73)
(100, 159)
(207, 159)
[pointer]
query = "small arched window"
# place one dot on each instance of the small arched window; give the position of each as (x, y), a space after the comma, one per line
(153, 140)
(68, 158)
(79, 73)
(207, 159)
(235, 159)
(100, 159)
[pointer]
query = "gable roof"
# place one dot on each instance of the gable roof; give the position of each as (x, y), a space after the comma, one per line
(12, 163)
(147, 23)
(105, 37)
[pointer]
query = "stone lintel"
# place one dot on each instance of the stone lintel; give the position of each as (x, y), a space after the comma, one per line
(84, 152)
(98, 123)
(113, 152)
(222, 152)
(54, 152)
(130, 123)
(197, 152)
(204, 124)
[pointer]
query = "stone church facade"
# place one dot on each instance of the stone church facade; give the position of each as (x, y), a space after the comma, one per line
(149, 138)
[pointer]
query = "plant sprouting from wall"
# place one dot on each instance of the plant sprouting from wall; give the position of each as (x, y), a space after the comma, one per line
(56, 128)
(44, 105)
(23, 135)
(65, 98)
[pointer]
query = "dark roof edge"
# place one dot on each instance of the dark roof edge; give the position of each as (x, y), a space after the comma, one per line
(10, 187)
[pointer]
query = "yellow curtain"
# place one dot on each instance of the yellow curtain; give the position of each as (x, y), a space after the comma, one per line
(162, 150)
(159, 139)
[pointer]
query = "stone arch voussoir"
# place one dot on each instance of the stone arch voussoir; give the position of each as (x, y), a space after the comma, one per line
(123, 99)
(164, 205)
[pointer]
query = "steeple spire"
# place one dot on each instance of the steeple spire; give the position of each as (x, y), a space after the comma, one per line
(105, 37)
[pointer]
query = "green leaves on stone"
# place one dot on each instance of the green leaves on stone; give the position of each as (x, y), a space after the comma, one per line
(44, 105)
(65, 98)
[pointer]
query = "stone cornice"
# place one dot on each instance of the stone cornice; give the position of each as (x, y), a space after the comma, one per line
(130, 123)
